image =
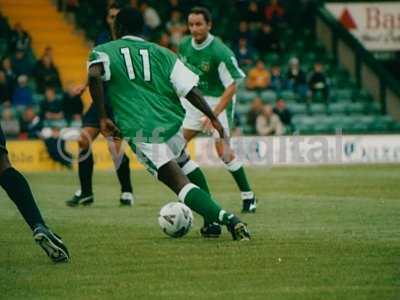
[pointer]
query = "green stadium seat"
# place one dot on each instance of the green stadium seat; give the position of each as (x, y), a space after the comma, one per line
(246, 96)
(363, 96)
(395, 127)
(271, 59)
(242, 108)
(323, 124)
(37, 98)
(373, 108)
(337, 108)
(247, 129)
(298, 108)
(269, 96)
(355, 108)
(381, 124)
(288, 96)
(318, 108)
(3, 48)
(343, 94)
(304, 124)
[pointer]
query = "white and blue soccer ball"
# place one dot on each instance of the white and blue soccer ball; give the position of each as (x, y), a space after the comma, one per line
(175, 219)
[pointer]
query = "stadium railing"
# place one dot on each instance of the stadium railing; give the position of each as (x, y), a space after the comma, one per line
(362, 65)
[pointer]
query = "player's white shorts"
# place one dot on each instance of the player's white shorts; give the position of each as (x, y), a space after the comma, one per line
(154, 156)
(193, 116)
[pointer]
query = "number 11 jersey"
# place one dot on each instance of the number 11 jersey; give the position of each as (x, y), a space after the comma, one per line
(145, 82)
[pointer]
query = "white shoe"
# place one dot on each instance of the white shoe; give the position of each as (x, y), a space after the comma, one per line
(126, 199)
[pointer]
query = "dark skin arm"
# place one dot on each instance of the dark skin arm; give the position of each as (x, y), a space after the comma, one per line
(107, 127)
(196, 98)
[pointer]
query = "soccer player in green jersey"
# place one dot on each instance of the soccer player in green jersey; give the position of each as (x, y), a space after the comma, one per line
(219, 73)
(145, 83)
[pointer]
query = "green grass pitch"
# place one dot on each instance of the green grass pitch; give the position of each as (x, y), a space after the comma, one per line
(319, 233)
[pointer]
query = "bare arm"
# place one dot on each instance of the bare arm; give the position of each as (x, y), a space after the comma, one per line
(107, 127)
(196, 98)
(226, 98)
(96, 89)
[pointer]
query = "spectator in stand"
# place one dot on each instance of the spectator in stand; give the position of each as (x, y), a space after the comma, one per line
(30, 124)
(318, 82)
(22, 96)
(5, 30)
(285, 115)
(72, 105)
(176, 27)
(267, 40)
(165, 41)
(9, 123)
(296, 78)
(5, 98)
(21, 63)
(245, 33)
(244, 53)
(55, 146)
(254, 15)
(274, 12)
(51, 108)
(46, 73)
(277, 80)
(151, 18)
(171, 6)
(255, 109)
(268, 123)
(259, 78)
(11, 77)
(106, 35)
(69, 6)
(20, 39)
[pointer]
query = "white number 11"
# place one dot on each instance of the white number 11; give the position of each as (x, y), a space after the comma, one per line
(144, 53)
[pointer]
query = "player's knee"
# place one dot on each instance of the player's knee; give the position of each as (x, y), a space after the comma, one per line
(4, 162)
(84, 143)
(224, 152)
(125, 161)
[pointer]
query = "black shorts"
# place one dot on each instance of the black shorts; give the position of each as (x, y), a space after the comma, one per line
(91, 117)
(3, 148)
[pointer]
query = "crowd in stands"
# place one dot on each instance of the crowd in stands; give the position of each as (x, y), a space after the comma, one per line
(256, 31)
(33, 102)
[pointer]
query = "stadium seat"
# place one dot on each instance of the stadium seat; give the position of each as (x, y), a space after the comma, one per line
(373, 108)
(288, 95)
(323, 124)
(269, 96)
(337, 108)
(395, 127)
(343, 94)
(355, 108)
(271, 59)
(242, 108)
(381, 124)
(363, 96)
(318, 108)
(246, 96)
(298, 108)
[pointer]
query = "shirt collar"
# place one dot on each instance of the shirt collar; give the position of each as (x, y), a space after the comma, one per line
(204, 44)
(132, 37)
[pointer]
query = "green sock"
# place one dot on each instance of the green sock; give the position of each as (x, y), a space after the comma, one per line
(197, 177)
(202, 203)
(237, 171)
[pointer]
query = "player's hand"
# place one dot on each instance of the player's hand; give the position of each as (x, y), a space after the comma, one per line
(79, 89)
(206, 125)
(109, 129)
(221, 130)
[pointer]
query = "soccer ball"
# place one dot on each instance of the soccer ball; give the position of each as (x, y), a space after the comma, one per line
(175, 219)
